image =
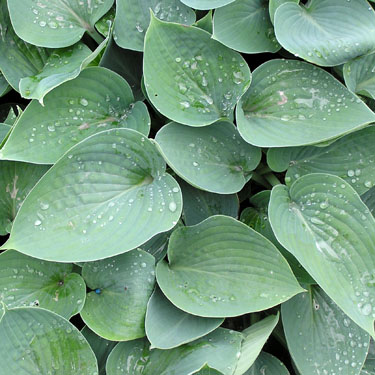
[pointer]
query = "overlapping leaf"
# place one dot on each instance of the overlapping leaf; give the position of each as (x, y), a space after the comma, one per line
(352, 158)
(81, 209)
(321, 338)
(245, 26)
(326, 32)
(267, 364)
(324, 224)
(133, 19)
(359, 75)
(208, 78)
(200, 205)
(121, 287)
(210, 263)
(39, 341)
(292, 103)
(26, 281)
(218, 349)
(206, 4)
(212, 158)
(97, 100)
(56, 23)
(16, 181)
(168, 327)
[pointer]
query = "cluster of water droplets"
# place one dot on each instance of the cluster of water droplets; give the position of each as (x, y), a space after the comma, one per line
(60, 14)
(198, 78)
(295, 92)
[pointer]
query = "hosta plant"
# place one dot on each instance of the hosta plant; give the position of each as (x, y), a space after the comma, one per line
(187, 187)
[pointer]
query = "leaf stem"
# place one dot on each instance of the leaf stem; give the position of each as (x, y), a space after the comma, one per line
(95, 35)
(272, 179)
(260, 180)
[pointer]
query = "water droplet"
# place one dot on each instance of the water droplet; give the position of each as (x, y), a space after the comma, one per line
(83, 102)
(37, 222)
(172, 206)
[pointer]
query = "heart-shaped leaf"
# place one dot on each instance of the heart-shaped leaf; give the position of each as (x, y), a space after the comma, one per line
(56, 23)
(62, 65)
(254, 339)
(16, 181)
(168, 327)
(101, 347)
(320, 337)
(27, 281)
(218, 350)
(96, 100)
(39, 341)
(121, 288)
(359, 75)
(213, 158)
(245, 26)
(324, 224)
(208, 78)
(267, 364)
(316, 31)
(200, 205)
(210, 263)
(292, 103)
(206, 4)
(133, 18)
(17, 58)
(65, 218)
(350, 158)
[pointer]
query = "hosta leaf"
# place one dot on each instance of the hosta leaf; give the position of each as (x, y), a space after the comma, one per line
(168, 327)
(292, 103)
(38, 341)
(208, 78)
(107, 20)
(257, 218)
(127, 63)
(254, 339)
(359, 75)
(213, 158)
(245, 26)
(318, 33)
(200, 205)
(218, 350)
(208, 371)
(205, 23)
(4, 86)
(267, 364)
(121, 287)
(321, 338)
(324, 224)
(101, 347)
(27, 281)
(62, 65)
(210, 263)
(17, 58)
(274, 4)
(369, 199)
(96, 100)
(206, 4)
(4, 130)
(80, 210)
(133, 19)
(16, 181)
(350, 158)
(55, 23)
